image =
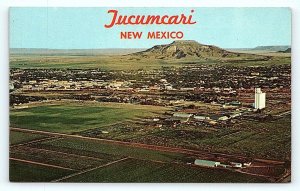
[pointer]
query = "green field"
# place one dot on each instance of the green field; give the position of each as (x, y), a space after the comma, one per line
(65, 160)
(20, 137)
(271, 140)
(143, 165)
(74, 117)
(114, 149)
(132, 170)
(24, 172)
(267, 139)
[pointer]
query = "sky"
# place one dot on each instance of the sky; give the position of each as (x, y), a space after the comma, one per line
(83, 28)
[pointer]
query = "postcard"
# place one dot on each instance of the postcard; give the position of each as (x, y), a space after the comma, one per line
(150, 95)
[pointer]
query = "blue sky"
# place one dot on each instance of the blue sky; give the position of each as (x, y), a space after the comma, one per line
(83, 28)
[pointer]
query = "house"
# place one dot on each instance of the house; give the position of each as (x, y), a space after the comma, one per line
(201, 117)
(212, 122)
(234, 115)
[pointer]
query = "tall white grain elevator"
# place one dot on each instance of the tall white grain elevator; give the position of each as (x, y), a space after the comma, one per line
(260, 99)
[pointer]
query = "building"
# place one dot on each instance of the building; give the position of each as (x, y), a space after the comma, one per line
(11, 86)
(223, 118)
(260, 99)
(201, 117)
(236, 164)
(206, 163)
(234, 115)
(182, 115)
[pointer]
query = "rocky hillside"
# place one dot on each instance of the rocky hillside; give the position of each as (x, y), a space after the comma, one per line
(185, 49)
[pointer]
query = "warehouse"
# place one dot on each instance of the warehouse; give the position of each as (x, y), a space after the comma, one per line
(206, 163)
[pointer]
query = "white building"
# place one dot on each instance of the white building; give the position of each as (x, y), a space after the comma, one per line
(260, 99)
(223, 118)
(182, 115)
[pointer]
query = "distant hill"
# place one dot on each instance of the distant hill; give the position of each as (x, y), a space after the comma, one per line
(289, 50)
(180, 50)
(109, 51)
(184, 49)
(271, 48)
(190, 49)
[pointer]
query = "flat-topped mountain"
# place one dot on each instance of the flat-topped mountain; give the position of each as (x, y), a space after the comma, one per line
(191, 49)
(184, 49)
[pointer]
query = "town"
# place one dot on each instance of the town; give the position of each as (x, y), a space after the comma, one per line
(158, 87)
(198, 95)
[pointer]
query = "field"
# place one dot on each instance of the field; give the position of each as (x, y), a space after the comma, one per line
(20, 137)
(261, 139)
(145, 171)
(84, 62)
(125, 63)
(73, 117)
(63, 159)
(76, 158)
(24, 172)
(114, 149)
(267, 139)
(63, 138)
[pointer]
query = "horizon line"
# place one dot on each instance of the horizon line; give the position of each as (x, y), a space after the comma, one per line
(142, 47)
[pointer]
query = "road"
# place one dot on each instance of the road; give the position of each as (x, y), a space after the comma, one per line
(38, 163)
